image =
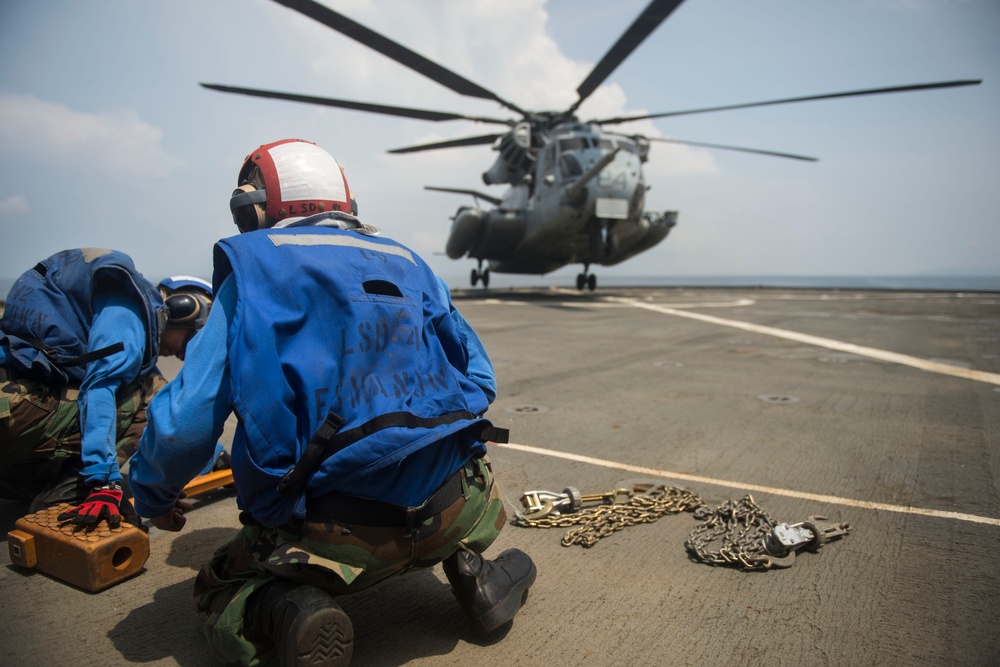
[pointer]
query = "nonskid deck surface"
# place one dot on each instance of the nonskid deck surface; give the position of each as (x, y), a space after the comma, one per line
(878, 408)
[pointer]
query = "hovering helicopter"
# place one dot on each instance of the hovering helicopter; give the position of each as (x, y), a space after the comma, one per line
(577, 191)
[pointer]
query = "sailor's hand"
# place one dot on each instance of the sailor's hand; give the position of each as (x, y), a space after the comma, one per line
(102, 503)
(174, 520)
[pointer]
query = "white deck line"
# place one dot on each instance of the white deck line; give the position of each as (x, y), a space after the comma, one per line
(871, 352)
(791, 493)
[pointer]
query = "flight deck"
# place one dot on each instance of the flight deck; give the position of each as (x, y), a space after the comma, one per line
(880, 409)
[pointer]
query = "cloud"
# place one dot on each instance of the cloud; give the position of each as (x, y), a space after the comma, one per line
(117, 143)
(516, 57)
(496, 57)
(14, 205)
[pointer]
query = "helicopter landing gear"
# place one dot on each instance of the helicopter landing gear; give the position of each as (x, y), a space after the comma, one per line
(480, 274)
(585, 279)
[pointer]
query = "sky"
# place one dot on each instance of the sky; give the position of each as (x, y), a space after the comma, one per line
(108, 140)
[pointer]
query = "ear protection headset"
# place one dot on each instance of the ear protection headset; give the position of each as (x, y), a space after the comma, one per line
(187, 310)
(247, 206)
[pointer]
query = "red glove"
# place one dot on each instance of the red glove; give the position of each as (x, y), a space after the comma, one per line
(102, 503)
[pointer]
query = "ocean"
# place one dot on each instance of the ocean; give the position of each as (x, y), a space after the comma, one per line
(946, 283)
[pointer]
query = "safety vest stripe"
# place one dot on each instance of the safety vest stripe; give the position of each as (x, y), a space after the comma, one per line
(345, 241)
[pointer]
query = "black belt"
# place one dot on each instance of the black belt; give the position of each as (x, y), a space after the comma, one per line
(367, 512)
(328, 440)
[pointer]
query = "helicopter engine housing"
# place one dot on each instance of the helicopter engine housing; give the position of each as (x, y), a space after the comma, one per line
(515, 156)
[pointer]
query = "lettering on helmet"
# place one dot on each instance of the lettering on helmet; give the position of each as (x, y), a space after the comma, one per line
(296, 209)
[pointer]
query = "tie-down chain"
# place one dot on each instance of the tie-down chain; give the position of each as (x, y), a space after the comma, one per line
(736, 534)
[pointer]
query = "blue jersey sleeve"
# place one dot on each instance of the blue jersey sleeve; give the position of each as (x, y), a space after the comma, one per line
(187, 416)
(117, 319)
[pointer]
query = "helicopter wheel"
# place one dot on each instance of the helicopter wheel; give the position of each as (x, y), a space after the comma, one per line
(485, 275)
(591, 282)
(581, 280)
(474, 277)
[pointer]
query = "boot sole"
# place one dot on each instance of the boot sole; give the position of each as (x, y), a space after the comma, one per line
(505, 610)
(324, 638)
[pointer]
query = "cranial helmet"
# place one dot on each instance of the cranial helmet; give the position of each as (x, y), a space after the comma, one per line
(291, 178)
(188, 300)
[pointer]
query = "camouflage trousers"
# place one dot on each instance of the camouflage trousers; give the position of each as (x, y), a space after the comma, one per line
(40, 437)
(337, 557)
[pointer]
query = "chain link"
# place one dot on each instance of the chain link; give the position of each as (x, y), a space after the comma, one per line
(732, 534)
(736, 529)
(646, 504)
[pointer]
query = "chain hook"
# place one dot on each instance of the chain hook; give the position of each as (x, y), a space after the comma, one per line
(538, 504)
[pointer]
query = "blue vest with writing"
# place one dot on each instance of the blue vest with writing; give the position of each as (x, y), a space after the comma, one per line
(328, 319)
(51, 304)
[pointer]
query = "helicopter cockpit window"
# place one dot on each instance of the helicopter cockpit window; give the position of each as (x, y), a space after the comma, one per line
(569, 166)
(573, 144)
(604, 144)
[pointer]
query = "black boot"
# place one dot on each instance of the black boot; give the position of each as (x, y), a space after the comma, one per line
(490, 592)
(307, 627)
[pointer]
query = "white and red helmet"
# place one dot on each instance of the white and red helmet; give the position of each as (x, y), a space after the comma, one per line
(291, 178)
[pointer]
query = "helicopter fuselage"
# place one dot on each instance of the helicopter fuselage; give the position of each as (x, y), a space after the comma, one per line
(580, 200)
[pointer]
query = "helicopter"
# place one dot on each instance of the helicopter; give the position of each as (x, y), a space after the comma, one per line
(576, 190)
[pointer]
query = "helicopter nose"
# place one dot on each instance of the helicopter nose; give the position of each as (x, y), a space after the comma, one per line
(617, 180)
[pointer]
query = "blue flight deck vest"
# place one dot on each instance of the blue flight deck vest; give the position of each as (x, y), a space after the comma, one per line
(49, 312)
(333, 321)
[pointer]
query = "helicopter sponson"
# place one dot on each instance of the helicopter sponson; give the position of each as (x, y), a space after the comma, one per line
(493, 234)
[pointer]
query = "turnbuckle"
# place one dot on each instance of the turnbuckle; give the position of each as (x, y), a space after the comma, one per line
(784, 540)
(538, 504)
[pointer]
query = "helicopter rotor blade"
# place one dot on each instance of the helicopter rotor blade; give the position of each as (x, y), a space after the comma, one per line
(406, 112)
(395, 51)
(723, 147)
(496, 201)
(453, 143)
(735, 148)
(851, 93)
(655, 13)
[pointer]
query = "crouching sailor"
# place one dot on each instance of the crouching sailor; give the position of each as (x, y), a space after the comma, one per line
(79, 340)
(360, 450)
